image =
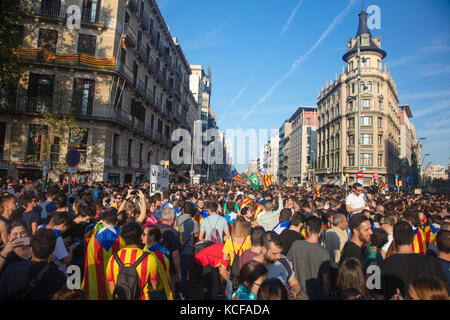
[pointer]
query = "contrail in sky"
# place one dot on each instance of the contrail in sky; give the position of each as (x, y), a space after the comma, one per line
(297, 62)
(285, 28)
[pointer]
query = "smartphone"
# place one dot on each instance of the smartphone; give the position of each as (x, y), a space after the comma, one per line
(23, 242)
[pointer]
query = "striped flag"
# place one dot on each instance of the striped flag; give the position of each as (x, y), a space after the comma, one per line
(430, 234)
(200, 216)
(267, 178)
(237, 177)
(99, 250)
(419, 241)
(162, 255)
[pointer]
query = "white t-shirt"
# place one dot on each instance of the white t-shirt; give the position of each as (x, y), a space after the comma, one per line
(355, 201)
(388, 244)
(60, 253)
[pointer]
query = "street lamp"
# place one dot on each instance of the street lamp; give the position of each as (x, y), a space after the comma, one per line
(358, 57)
(421, 165)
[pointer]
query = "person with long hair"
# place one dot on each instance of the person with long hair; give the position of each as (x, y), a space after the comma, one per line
(427, 289)
(351, 275)
(251, 277)
(235, 245)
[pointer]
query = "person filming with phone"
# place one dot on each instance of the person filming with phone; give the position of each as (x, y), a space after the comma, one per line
(18, 246)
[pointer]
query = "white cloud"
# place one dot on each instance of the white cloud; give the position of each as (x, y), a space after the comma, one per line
(426, 95)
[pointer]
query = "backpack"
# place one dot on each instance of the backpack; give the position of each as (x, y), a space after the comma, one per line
(235, 267)
(180, 232)
(128, 285)
(215, 235)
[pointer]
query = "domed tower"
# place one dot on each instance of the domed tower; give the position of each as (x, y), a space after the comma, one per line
(379, 121)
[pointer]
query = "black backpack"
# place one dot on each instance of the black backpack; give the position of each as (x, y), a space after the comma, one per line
(128, 285)
(235, 267)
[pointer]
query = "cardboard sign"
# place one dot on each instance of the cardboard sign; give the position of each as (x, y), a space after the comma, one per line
(159, 179)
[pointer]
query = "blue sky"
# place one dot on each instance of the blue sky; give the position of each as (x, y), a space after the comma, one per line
(268, 57)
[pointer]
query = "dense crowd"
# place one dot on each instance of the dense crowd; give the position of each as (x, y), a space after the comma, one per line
(221, 241)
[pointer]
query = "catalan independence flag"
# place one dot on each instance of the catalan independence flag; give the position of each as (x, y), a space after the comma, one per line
(245, 202)
(430, 234)
(266, 177)
(105, 242)
(419, 244)
(236, 176)
(200, 216)
(162, 255)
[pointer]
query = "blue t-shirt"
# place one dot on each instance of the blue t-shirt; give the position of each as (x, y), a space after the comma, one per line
(445, 267)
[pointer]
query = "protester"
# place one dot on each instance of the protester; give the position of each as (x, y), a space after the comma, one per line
(272, 289)
(8, 205)
(399, 270)
(188, 230)
(234, 247)
(277, 265)
(351, 276)
(378, 239)
(387, 223)
(130, 255)
(427, 289)
(335, 239)
(102, 245)
(251, 277)
(15, 281)
(214, 227)
(361, 230)
(443, 249)
(18, 246)
(172, 242)
(356, 201)
(151, 238)
(311, 263)
(291, 234)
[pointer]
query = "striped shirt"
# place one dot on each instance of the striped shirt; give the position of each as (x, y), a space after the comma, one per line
(147, 269)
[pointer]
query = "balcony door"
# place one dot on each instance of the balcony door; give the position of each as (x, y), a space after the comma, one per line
(83, 96)
(90, 10)
(40, 92)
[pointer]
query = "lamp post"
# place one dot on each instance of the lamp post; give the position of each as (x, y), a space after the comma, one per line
(421, 165)
(358, 57)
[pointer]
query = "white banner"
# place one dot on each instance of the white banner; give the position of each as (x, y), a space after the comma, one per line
(159, 179)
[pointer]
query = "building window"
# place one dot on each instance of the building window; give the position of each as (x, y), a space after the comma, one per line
(367, 63)
(378, 87)
(366, 121)
(48, 39)
(362, 86)
(351, 122)
(380, 122)
(380, 160)
(87, 44)
(366, 138)
(83, 96)
(353, 87)
(308, 121)
(351, 159)
(351, 139)
(369, 86)
(366, 159)
(366, 103)
(79, 140)
(34, 140)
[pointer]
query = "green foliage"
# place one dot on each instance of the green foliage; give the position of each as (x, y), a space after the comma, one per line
(12, 15)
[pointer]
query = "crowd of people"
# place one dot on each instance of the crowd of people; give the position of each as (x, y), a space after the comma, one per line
(222, 241)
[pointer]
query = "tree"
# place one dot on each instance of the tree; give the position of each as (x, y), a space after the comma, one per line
(12, 15)
(58, 132)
